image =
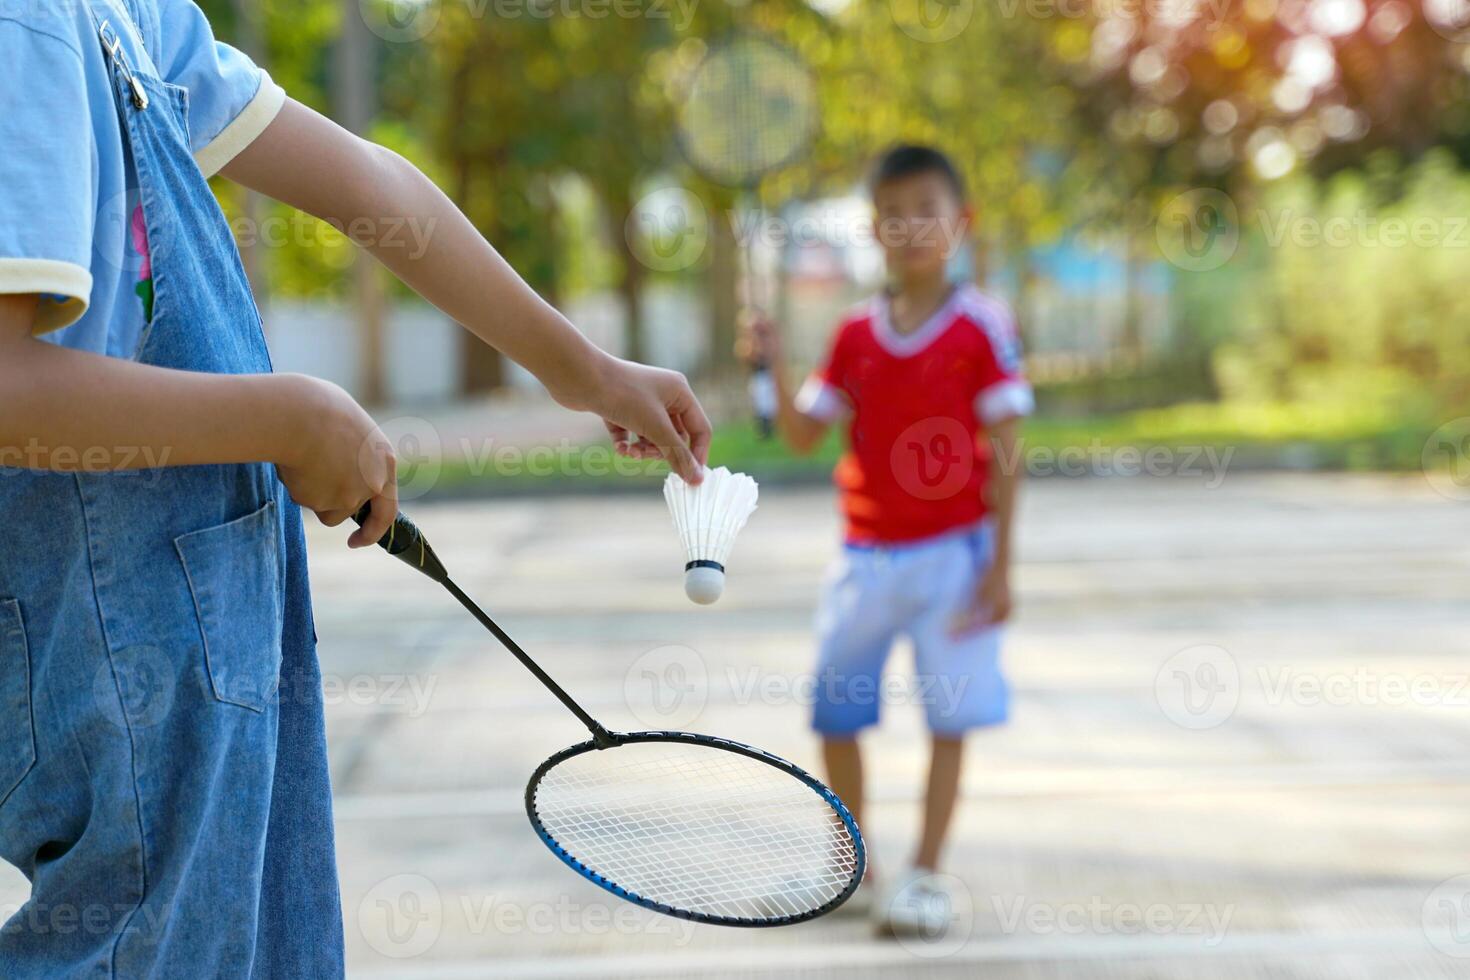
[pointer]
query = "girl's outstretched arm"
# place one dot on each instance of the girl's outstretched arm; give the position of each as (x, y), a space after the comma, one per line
(70, 410)
(386, 205)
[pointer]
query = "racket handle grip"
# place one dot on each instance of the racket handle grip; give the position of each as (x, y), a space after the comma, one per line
(764, 398)
(407, 543)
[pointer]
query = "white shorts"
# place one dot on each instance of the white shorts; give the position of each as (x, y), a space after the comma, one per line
(873, 596)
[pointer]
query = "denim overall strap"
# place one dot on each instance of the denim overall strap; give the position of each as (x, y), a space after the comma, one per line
(170, 794)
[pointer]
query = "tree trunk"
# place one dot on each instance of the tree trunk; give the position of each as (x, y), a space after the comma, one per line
(724, 283)
(630, 285)
(1131, 342)
(248, 37)
(481, 367)
(354, 99)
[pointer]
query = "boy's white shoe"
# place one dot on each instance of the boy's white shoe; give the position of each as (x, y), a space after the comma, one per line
(916, 905)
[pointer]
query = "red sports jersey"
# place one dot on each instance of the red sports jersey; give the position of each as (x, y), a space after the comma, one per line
(917, 404)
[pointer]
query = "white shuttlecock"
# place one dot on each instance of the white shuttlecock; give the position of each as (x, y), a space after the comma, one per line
(707, 518)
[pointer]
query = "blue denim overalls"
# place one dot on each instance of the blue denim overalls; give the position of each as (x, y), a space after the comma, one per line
(163, 773)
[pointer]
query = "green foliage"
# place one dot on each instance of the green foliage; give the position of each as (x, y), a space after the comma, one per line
(1344, 295)
(1196, 438)
(546, 124)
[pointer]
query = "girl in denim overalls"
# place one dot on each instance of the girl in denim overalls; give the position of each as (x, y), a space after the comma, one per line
(163, 774)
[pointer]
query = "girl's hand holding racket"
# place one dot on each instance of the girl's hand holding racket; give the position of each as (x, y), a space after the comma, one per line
(336, 458)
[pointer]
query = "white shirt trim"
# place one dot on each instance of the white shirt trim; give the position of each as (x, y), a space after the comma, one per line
(51, 278)
(995, 319)
(909, 344)
(259, 113)
(1005, 400)
(818, 400)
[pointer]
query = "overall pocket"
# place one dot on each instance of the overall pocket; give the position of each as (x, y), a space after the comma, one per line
(17, 725)
(234, 573)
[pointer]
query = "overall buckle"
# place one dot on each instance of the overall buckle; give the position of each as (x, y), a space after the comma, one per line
(112, 46)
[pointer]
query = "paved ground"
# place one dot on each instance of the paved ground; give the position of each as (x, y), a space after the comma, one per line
(1239, 750)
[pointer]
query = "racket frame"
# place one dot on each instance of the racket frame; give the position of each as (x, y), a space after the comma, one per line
(750, 180)
(710, 742)
(407, 543)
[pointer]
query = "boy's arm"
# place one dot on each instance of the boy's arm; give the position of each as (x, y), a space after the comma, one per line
(1005, 480)
(70, 410)
(389, 207)
(993, 602)
(760, 343)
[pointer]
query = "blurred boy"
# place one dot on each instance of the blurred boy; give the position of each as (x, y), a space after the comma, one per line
(919, 374)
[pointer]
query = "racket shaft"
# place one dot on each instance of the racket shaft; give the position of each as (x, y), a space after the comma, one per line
(599, 734)
(408, 544)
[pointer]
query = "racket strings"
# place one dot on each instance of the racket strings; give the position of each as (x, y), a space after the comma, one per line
(699, 829)
(751, 107)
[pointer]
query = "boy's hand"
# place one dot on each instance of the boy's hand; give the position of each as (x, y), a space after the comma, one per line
(759, 342)
(651, 413)
(338, 459)
(991, 605)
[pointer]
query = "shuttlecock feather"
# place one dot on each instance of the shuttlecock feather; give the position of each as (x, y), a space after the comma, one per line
(708, 517)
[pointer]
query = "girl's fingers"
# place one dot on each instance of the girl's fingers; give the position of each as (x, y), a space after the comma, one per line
(699, 439)
(674, 429)
(332, 518)
(380, 518)
(670, 444)
(621, 438)
(693, 423)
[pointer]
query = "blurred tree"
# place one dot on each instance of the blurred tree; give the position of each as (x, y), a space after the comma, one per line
(249, 38)
(530, 98)
(1248, 91)
(977, 82)
(354, 99)
(293, 255)
(1065, 118)
(616, 134)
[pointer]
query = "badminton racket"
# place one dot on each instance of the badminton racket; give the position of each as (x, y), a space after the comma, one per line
(693, 826)
(750, 109)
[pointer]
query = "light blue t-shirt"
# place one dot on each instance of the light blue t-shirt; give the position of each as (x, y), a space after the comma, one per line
(71, 223)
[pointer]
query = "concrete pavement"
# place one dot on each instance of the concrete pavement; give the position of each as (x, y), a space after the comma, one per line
(1239, 746)
(1239, 742)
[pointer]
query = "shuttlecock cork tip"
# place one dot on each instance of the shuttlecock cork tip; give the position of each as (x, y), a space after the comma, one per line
(704, 583)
